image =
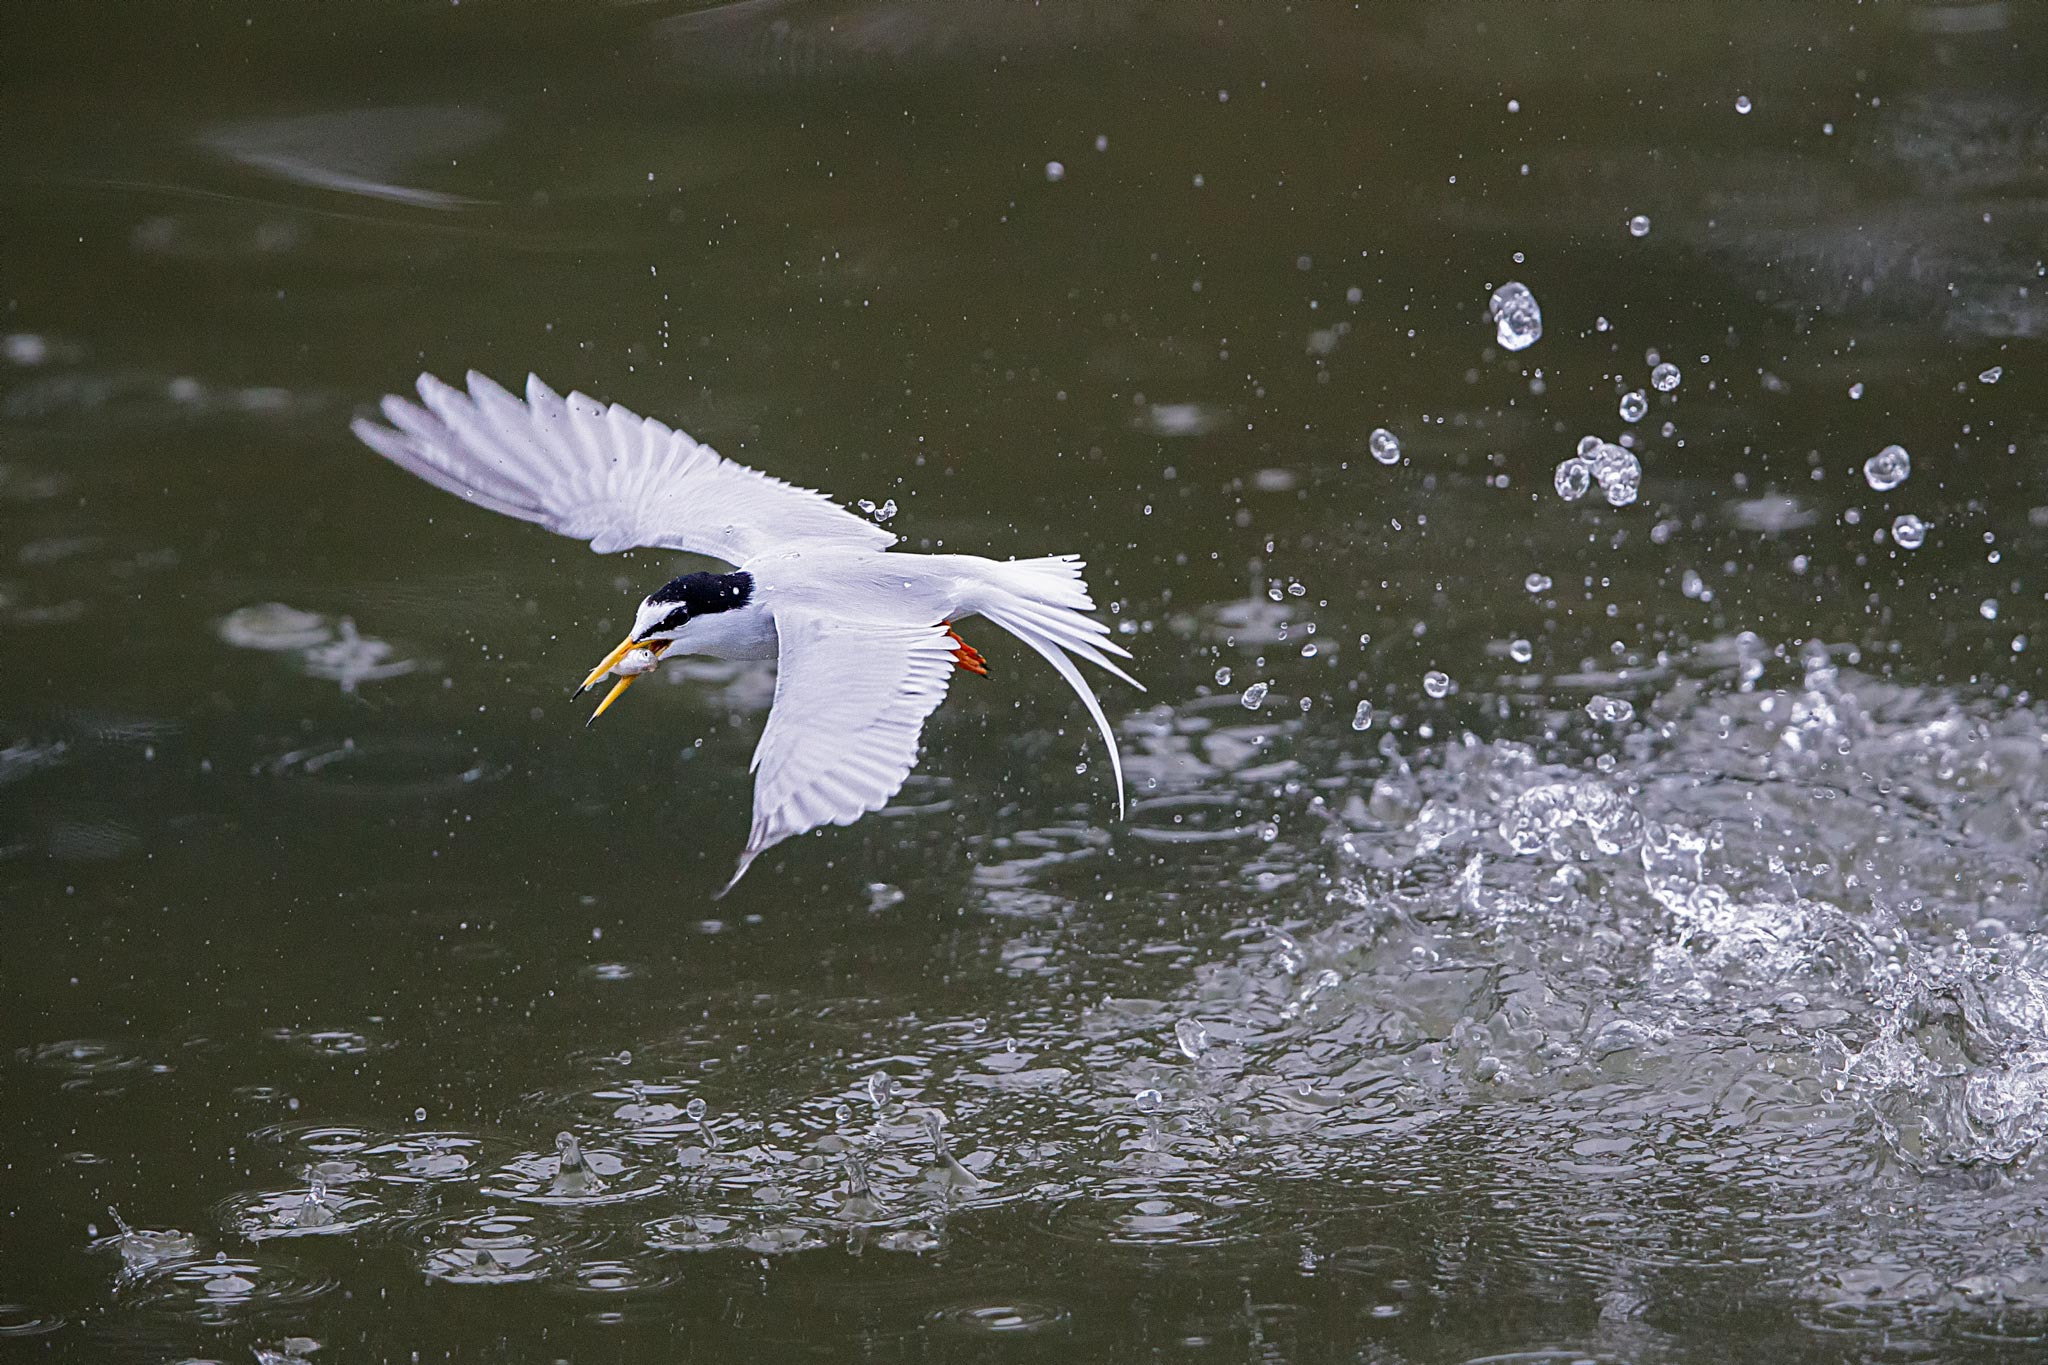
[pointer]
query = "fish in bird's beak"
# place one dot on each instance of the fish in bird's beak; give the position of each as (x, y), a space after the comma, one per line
(654, 648)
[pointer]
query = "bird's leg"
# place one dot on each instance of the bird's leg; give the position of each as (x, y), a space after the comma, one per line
(966, 657)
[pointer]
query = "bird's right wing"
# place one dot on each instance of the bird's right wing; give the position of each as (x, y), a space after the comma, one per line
(602, 474)
(850, 700)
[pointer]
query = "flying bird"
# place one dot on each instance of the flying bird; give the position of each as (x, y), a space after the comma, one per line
(863, 639)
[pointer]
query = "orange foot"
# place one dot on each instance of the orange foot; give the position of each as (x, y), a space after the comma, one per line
(966, 657)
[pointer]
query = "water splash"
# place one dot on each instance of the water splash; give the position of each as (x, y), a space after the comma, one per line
(574, 1179)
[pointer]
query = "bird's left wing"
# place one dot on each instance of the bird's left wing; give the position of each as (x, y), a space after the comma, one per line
(601, 474)
(850, 700)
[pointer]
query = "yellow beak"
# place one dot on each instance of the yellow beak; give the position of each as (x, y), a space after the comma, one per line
(618, 687)
(611, 661)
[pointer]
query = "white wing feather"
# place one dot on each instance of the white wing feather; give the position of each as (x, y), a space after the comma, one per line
(851, 698)
(602, 474)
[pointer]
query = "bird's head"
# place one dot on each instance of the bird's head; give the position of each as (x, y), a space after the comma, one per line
(661, 625)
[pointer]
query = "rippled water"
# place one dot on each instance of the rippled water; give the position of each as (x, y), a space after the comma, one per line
(1581, 892)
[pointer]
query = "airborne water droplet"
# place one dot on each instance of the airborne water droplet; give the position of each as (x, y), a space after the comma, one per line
(1888, 468)
(1610, 710)
(1254, 696)
(1574, 476)
(1517, 321)
(1619, 473)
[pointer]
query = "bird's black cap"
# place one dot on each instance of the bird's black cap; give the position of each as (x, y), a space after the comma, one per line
(700, 594)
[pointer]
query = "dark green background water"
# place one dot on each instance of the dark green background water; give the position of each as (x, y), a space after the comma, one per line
(1719, 1032)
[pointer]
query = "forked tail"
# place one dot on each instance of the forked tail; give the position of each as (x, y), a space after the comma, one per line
(1045, 603)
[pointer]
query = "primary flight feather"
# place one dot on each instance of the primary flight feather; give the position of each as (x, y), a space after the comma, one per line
(863, 639)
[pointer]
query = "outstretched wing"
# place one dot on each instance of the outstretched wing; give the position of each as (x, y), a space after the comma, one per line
(850, 700)
(601, 474)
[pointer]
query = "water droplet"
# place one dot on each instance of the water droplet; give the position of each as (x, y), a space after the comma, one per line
(1517, 321)
(1148, 1100)
(881, 1086)
(1384, 445)
(1574, 477)
(1055, 172)
(1521, 651)
(1888, 468)
(1437, 684)
(1223, 677)
(1855, 390)
(1639, 226)
(1587, 445)
(419, 1116)
(695, 1109)
(1665, 377)
(1309, 651)
(882, 513)
(1909, 532)
(1537, 582)
(1742, 104)
(1361, 719)
(1255, 696)
(1992, 375)
(1634, 404)
(1988, 609)
(1192, 1038)
(1619, 472)
(1610, 710)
